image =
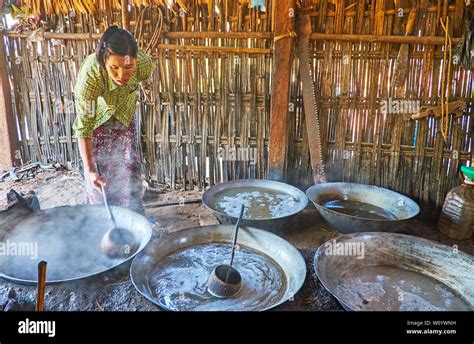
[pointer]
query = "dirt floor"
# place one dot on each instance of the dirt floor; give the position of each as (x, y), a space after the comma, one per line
(173, 211)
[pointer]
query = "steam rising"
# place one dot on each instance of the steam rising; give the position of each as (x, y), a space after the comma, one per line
(68, 239)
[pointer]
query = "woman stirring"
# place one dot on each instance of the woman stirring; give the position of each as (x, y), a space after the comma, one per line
(106, 98)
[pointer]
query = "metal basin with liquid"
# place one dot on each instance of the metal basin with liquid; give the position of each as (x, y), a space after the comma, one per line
(173, 271)
(395, 272)
(351, 207)
(269, 204)
(68, 238)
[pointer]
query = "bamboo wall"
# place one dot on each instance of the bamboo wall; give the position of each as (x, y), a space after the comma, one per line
(205, 92)
(353, 79)
(209, 93)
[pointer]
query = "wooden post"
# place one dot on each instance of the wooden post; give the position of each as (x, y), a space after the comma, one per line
(8, 135)
(125, 16)
(279, 128)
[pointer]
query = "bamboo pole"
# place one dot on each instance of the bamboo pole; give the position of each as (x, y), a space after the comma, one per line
(218, 34)
(125, 16)
(394, 11)
(433, 40)
(216, 49)
(167, 35)
(397, 39)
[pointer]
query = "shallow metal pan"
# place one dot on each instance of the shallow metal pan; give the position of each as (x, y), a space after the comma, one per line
(279, 250)
(402, 207)
(212, 196)
(68, 239)
(439, 277)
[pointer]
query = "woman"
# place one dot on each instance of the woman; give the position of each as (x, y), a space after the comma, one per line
(106, 97)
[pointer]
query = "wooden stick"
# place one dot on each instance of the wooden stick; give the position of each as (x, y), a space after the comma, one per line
(218, 34)
(434, 40)
(125, 16)
(168, 35)
(332, 14)
(216, 49)
(41, 286)
(172, 203)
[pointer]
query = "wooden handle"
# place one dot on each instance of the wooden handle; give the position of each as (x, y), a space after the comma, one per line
(457, 107)
(236, 233)
(41, 286)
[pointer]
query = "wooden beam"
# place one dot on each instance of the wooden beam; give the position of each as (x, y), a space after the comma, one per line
(168, 35)
(218, 34)
(280, 97)
(430, 40)
(398, 39)
(125, 16)
(234, 50)
(8, 136)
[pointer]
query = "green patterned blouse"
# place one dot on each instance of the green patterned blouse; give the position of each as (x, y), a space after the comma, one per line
(98, 98)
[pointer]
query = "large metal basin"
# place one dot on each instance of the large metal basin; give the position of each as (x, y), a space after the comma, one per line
(146, 268)
(215, 194)
(400, 207)
(68, 239)
(405, 268)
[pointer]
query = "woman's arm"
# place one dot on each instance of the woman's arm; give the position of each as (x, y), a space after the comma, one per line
(85, 148)
(90, 172)
(88, 88)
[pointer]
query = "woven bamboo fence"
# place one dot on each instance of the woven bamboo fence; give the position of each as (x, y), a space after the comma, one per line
(211, 93)
(354, 80)
(205, 93)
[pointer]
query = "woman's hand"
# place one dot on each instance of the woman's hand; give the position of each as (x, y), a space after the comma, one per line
(96, 180)
(90, 173)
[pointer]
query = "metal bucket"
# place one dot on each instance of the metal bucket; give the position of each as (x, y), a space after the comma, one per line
(347, 272)
(402, 207)
(272, 223)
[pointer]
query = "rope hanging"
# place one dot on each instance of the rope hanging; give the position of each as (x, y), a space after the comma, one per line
(146, 86)
(445, 88)
(153, 42)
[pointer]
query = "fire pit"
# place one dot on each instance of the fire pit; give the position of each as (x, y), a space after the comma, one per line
(173, 271)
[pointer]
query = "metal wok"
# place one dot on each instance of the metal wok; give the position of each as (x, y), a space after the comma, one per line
(212, 197)
(411, 273)
(401, 207)
(145, 267)
(68, 239)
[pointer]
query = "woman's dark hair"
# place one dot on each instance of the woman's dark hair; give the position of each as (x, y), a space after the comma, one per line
(116, 41)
